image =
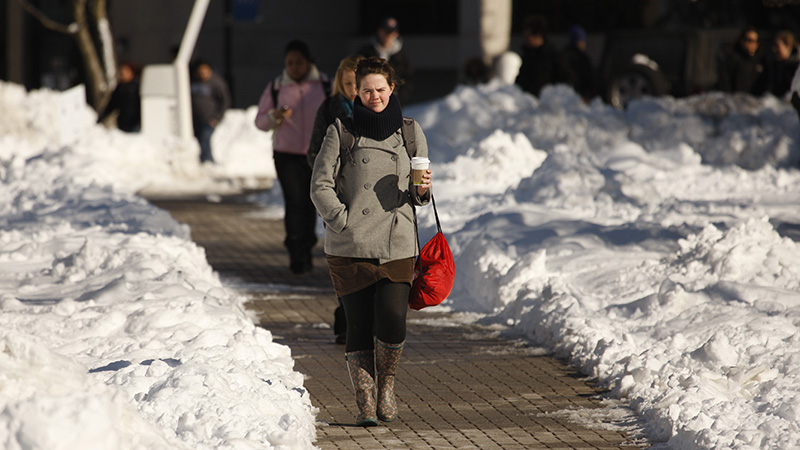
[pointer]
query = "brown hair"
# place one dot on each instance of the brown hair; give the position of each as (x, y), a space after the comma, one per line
(348, 64)
(787, 38)
(745, 31)
(375, 65)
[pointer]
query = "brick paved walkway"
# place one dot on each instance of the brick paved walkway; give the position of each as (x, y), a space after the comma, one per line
(459, 386)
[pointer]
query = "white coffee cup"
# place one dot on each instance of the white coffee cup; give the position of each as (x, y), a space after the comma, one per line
(419, 167)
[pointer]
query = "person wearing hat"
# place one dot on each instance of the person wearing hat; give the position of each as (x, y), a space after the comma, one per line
(387, 44)
(541, 63)
(288, 107)
(578, 65)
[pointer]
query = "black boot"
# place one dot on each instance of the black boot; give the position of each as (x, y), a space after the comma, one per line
(307, 255)
(297, 258)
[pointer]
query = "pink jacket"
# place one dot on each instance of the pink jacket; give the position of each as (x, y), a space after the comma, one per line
(294, 133)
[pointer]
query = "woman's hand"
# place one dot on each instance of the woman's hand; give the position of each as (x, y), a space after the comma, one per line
(282, 113)
(426, 183)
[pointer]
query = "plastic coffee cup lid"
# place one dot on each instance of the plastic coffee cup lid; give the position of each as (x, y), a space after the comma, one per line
(420, 162)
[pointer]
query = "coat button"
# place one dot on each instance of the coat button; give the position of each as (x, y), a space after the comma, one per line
(394, 157)
(365, 211)
(365, 160)
(367, 185)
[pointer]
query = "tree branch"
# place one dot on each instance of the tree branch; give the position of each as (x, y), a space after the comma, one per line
(46, 21)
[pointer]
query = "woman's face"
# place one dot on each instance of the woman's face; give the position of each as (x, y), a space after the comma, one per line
(375, 92)
(349, 84)
(782, 51)
(297, 66)
(750, 42)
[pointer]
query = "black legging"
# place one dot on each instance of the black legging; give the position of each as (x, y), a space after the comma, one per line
(380, 309)
(300, 219)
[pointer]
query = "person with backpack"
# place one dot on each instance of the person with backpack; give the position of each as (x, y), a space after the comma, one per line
(339, 105)
(288, 107)
(362, 188)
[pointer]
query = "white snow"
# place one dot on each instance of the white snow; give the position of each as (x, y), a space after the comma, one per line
(650, 247)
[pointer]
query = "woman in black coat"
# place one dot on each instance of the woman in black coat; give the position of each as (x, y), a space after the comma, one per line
(338, 106)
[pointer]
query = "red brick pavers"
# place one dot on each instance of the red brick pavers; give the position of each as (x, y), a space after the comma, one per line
(459, 386)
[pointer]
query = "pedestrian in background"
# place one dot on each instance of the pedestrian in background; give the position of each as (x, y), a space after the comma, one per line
(366, 198)
(388, 44)
(210, 99)
(541, 64)
(288, 107)
(578, 64)
(784, 63)
(125, 100)
(338, 106)
(794, 92)
(743, 68)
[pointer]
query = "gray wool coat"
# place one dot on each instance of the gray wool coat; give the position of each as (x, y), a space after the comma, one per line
(367, 202)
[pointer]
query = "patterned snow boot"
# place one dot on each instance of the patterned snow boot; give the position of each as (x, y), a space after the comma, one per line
(361, 365)
(387, 358)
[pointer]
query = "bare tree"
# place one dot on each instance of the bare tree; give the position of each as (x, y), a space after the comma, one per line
(92, 33)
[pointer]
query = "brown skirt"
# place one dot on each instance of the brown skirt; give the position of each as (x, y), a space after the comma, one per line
(354, 274)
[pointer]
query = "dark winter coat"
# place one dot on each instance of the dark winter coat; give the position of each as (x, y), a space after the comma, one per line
(781, 73)
(540, 66)
(127, 101)
(332, 108)
(743, 73)
(210, 100)
(579, 71)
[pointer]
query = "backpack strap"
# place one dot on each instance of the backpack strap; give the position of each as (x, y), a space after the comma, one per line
(346, 141)
(409, 136)
(276, 86)
(326, 85)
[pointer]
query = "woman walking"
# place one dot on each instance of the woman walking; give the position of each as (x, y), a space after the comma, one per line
(338, 106)
(288, 106)
(366, 198)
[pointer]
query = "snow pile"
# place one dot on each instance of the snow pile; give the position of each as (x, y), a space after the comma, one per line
(650, 247)
(115, 331)
(644, 248)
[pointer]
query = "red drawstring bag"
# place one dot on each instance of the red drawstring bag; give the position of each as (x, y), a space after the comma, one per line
(434, 271)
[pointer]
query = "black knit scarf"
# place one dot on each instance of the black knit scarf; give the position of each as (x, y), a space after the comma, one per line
(378, 126)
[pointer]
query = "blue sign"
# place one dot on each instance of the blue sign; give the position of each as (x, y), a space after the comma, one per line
(245, 10)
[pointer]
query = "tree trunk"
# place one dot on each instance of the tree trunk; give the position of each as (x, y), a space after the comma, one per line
(91, 61)
(105, 44)
(100, 68)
